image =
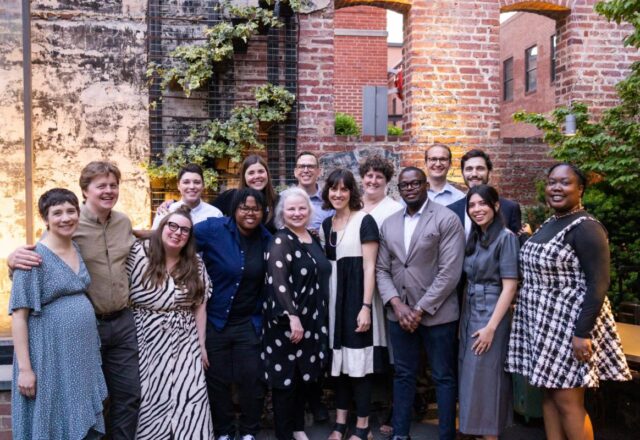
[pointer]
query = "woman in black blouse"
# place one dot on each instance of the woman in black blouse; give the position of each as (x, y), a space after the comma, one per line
(254, 173)
(563, 337)
(295, 336)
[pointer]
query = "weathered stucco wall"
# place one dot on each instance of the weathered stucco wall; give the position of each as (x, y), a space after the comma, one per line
(89, 102)
(90, 95)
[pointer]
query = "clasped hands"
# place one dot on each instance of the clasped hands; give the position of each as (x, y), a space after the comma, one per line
(408, 318)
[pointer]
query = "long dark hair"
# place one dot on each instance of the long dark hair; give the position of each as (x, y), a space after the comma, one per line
(491, 198)
(185, 273)
(268, 191)
(346, 177)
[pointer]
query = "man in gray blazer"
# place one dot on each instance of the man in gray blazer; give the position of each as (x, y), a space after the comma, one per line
(419, 263)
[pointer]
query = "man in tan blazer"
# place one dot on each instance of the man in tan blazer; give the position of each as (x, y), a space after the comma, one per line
(419, 263)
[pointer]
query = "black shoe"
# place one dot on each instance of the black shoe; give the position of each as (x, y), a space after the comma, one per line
(320, 413)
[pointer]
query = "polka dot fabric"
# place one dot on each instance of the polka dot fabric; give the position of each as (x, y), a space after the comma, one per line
(297, 284)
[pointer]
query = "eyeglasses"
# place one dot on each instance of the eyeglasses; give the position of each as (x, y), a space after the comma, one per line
(410, 185)
(249, 209)
(437, 159)
(173, 227)
(305, 166)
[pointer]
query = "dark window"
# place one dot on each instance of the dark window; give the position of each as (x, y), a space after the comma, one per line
(531, 69)
(507, 79)
(554, 42)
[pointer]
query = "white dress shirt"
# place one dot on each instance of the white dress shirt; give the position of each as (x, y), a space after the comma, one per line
(410, 223)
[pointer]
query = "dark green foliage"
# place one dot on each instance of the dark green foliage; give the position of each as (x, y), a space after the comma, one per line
(346, 125)
(608, 150)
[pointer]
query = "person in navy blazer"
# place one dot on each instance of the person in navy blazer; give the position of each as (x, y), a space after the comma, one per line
(476, 169)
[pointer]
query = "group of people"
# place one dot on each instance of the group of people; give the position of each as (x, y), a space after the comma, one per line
(269, 291)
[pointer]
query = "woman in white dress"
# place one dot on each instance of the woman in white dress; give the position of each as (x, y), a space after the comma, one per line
(376, 172)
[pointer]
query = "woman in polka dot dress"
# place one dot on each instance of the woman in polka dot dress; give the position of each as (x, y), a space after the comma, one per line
(295, 335)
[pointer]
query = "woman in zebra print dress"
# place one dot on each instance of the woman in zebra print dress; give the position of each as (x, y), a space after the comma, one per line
(169, 291)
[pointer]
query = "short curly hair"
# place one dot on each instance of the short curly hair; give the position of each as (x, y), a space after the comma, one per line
(379, 164)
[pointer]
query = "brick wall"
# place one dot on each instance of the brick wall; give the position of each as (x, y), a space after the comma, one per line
(5, 415)
(360, 60)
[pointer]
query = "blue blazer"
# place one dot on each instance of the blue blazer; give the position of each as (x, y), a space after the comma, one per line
(219, 242)
(509, 210)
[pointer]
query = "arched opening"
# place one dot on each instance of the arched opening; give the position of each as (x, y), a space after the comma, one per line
(368, 56)
(551, 9)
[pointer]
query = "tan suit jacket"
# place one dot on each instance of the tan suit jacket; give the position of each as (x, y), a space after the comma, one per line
(427, 274)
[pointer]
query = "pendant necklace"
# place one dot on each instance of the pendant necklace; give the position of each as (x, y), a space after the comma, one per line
(344, 230)
(570, 212)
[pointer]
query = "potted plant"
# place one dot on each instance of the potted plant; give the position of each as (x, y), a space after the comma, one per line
(274, 104)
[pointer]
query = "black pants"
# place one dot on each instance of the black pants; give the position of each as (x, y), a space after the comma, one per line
(234, 357)
(357, 389)
(288, 407)
(121, 372)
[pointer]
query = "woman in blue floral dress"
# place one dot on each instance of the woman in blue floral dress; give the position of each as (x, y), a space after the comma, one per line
(58, 386)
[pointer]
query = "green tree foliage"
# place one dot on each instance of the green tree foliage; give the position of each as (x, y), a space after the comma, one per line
(608, 150)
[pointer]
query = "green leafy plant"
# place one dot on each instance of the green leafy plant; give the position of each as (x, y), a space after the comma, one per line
(228, 139)
(274, 103)
(295, 5)
(191, 66)
(392, 130)
(346, 125)
(607, 149)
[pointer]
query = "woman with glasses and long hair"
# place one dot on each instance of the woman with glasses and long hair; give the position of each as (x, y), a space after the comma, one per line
(234, 251)
(169, 288)
(491, 267)
(356, 322)
(58, 386)
(254, 173)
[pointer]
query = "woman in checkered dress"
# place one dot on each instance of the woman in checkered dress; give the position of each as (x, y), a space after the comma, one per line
(563, 336)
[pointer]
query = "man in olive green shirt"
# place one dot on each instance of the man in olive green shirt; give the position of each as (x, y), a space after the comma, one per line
(105, 237)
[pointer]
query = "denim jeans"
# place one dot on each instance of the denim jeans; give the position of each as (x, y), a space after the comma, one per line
(439, 341)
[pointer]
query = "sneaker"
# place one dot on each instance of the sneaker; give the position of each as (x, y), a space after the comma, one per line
(248, 437)
(224, 437)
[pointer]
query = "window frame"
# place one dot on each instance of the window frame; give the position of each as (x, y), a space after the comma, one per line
(553, 73)
(529, 71)
(507, 82)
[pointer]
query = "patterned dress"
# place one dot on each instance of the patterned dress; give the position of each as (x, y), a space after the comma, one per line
(353, 354)
(174, 393)
(548, 306)
(295, 270)
(64, 349)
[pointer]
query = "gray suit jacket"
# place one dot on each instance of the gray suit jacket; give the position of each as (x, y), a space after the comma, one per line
(427, 275)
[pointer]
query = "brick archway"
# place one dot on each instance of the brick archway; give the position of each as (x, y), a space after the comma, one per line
(400, 6)
(551, 8)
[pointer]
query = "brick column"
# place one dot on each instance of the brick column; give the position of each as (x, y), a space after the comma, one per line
(452, 71)
(591, 57)
(315, 81)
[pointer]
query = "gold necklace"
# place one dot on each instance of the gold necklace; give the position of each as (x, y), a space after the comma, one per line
(344, 230)
(567, 214)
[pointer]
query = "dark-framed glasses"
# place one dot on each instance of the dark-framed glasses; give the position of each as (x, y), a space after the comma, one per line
(173, 227)
(249, 209)
(402, 186)
(306, 166)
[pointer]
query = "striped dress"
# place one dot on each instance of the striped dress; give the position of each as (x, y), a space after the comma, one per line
(174, 393)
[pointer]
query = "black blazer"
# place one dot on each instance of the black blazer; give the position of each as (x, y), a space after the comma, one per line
(509, 210)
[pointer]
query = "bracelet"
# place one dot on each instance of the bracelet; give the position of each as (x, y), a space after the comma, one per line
(367, 306)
